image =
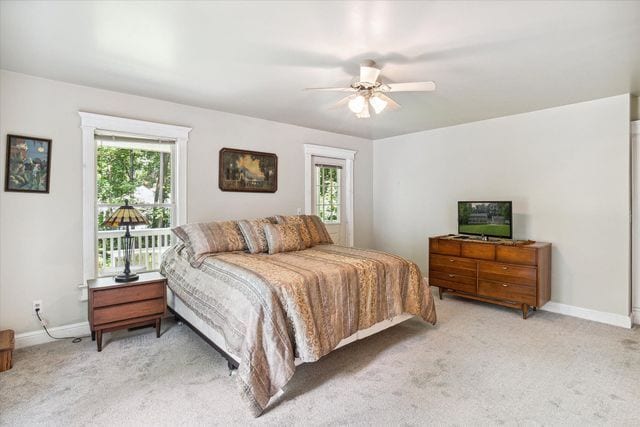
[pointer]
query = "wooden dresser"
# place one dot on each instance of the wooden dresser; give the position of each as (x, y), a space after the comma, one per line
(499, 272)
(119, 305)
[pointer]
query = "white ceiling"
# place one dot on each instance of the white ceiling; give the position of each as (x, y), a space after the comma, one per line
(488, 59)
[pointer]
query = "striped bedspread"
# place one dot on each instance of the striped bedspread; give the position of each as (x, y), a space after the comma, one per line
(272, 308)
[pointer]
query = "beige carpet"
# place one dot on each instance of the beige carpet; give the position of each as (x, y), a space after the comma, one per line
(480, 365)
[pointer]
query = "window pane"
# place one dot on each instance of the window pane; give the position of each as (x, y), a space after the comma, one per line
(140, 176)
(144, 178)
(328, 193)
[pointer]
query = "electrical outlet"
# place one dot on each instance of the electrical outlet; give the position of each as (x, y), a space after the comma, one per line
(299, 211)
(37, 305)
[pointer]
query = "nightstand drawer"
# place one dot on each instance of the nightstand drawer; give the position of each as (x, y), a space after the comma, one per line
(133, 293)
(128, 311)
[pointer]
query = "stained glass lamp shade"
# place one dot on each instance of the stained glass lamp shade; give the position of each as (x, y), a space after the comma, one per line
(126, 216)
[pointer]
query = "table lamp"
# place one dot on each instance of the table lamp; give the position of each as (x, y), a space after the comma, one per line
(126, 216)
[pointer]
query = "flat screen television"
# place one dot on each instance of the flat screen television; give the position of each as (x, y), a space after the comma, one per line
(491, 219)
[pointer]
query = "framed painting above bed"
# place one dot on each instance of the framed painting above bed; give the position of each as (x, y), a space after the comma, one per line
(28, 166)
(250, 171)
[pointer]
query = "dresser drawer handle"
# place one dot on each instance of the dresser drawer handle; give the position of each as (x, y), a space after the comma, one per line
(505, 268)
(452, 275)
(452, 260)
(505, 285)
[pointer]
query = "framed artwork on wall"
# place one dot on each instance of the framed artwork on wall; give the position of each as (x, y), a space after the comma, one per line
(251, 171)
(28, 166)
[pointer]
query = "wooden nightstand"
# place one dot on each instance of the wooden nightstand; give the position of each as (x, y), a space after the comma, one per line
(116, 305)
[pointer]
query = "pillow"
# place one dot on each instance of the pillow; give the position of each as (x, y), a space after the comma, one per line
(203, 238)
(253, 232)
(298, 221)
(317, 229)
(283, 238)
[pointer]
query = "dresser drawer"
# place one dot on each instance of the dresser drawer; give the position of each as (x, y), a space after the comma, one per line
(507, 291)
(450, 284)
(507, 273)
(479, 250)
(445, 247)
(133, 293)
(452, 277)
(128, 311)
(449, 264)
(516, 255)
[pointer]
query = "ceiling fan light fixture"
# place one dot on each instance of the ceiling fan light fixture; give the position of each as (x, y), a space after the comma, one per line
(364, 114)
(378, 104)
(370, 92)
(357, 104)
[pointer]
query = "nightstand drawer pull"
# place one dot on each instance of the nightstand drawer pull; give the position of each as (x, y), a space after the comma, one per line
(505, 285)
(452, 275)
(505, 268)
(452, 260)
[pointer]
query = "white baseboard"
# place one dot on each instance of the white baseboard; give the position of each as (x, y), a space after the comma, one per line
(585, 313)
(28, 339)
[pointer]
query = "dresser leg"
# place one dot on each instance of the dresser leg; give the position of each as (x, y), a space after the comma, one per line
(525, 311)
(99, 338)
(158, 328)
(93, 335)
(440, 292)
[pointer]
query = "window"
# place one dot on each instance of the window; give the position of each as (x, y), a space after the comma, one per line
(341, 160)
(138, 170)
(328, 195)
(108, 142)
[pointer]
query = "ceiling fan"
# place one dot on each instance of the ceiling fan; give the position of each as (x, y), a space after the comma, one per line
(371, 91)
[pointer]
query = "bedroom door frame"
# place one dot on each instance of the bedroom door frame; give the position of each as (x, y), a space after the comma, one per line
(635, 222)
(311, 151)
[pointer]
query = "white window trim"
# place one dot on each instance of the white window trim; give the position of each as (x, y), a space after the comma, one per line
(310, 151)
(90, 122)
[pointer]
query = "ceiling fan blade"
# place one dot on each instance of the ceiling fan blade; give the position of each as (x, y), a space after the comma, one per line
(343, 101)
(412, 87)
(391, 104)
(332, 89)
(369, 74)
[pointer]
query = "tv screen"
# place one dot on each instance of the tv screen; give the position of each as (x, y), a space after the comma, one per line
(491, 219)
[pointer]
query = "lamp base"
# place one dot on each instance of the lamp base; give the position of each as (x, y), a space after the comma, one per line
(126, 277)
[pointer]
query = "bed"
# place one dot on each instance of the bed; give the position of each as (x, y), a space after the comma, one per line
(268, 313)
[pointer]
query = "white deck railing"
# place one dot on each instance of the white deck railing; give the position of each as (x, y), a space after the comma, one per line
(148, 247)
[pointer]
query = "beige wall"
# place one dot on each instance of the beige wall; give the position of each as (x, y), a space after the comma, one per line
(41, 234)
(635, 108)
(566, 170)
